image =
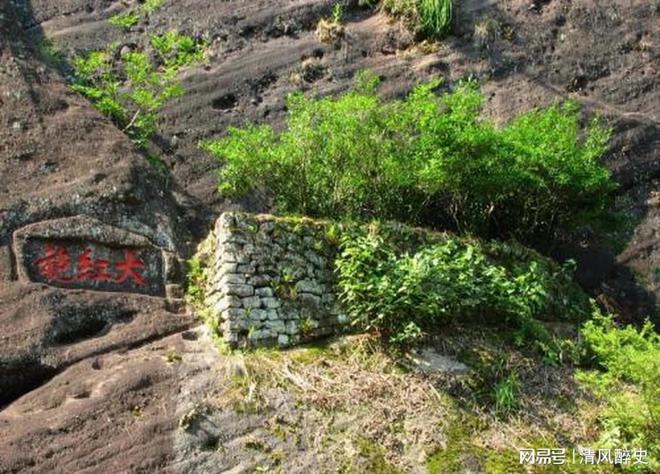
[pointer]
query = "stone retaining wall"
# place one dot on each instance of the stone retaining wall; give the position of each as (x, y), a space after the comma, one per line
(271, 280)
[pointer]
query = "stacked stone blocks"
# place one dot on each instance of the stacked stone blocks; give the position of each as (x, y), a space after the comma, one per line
(272, 280)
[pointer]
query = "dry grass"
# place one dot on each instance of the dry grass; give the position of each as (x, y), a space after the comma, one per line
(351, 398)
(330, 32)
(344, 374)
(310, 71)
(486, 33)
(406, 10)
(355, 391)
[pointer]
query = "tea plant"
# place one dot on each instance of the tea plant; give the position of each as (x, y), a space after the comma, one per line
(177, 50)
(404, 296)
(427, 159)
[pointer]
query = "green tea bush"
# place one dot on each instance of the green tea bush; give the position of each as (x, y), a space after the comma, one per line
(627, 381)
(404, 295)
(177, 50)
(95, 79)
(427, 159)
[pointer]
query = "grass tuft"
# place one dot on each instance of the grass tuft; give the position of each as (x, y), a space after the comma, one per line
(331, 30)
(436, 16)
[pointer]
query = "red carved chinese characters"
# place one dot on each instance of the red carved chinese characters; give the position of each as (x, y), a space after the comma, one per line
(55, 266)
(128, 268)
(55, 263)
(86, 269)
(102, 270)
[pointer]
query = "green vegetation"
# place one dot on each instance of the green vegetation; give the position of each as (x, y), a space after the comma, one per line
(505, 394)
(173, 357)
(50, 53)
(628, 384)
(196, 281)
(404, 295)
(196, 284)
(150, 6)
(373, 459)
(433, 160)
(129, 88)
(124, 20)
(406, 10)
(436, 16)
(132, 87)
(96, 81)
(331, 30)
(462, 451)
(433, 18)
(337, 13)
(424, 160)
(177, 50)
(285, 285)
(132, 17)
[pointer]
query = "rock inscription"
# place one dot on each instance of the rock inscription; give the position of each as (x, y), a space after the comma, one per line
(79, 264)
(83, 253)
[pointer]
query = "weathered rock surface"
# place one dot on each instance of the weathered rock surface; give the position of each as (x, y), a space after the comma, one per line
(85, 382)
(78, 367)
(111, 413)
(429, 361)
(604, 54)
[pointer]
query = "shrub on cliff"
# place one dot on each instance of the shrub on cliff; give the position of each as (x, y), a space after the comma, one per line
(427, 159)
(130, 87)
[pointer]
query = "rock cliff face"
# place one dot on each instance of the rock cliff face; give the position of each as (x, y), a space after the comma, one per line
(87, 377)
(526, 54)
(74, 363)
